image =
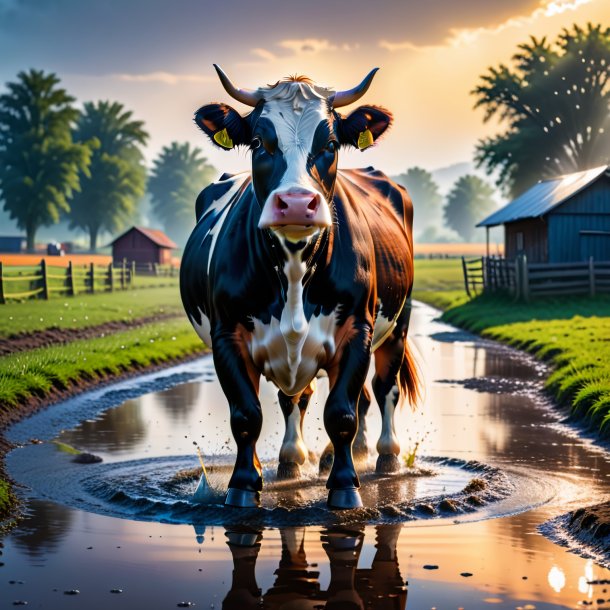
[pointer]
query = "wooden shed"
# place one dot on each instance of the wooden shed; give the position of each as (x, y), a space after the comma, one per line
(143, 246)
(565, 219)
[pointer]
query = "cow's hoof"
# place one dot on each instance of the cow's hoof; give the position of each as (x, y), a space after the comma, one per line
(243, 498)
(288, 470)
(342, 499)
(387, 463)
(326, 462)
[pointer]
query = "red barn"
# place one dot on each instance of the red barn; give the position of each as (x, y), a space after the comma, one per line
(143, 246)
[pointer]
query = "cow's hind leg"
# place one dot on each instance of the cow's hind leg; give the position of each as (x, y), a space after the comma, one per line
(392, 363)
(293, 451)
(239, 381)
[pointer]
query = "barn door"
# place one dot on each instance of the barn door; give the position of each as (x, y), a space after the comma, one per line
(595, 244)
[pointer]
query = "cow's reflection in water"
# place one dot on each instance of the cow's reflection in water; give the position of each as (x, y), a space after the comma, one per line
(297, 585)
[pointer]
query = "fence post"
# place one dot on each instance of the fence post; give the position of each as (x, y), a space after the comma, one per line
(132, 275)
(525, 280)
(92, 276)
(110, 277)
(591, 277)
(45, 279)
(155, 269)
(2, 299)
(123, 273)
(465, 269)
(70, 273)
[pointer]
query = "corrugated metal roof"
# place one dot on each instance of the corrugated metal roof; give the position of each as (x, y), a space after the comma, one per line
(155, 235)
(543, 197)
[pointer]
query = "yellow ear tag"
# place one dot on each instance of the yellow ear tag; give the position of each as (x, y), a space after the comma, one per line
(365, 139)
(222, 138)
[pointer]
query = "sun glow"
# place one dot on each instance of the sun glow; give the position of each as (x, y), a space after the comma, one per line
(556, 7)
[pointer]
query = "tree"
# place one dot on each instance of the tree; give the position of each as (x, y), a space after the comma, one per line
(468, 202)
(554, 102)
(109, 195)
(179, 173)
(427, 201)
(39, 162)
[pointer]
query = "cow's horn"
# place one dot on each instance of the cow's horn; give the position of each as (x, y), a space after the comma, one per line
(250, 98)
(343, 98)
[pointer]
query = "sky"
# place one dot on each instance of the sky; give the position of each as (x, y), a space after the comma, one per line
(156, 56)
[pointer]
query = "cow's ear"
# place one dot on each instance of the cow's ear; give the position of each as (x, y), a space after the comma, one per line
(364, 126)
(224, 125)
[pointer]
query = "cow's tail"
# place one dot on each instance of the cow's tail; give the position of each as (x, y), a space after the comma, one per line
(409, 382)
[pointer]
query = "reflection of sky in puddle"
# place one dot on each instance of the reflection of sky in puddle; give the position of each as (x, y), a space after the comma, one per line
(158, 565)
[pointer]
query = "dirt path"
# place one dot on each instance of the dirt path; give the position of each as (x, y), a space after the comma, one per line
(21, 342)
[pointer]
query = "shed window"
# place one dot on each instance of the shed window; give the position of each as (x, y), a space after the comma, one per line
(519, 242)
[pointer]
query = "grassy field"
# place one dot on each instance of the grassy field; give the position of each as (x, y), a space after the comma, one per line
(571, 333)
(86, 310)
(438, 274)
(39, 372)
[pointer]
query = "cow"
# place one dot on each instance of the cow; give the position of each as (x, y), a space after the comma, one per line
(297, 269)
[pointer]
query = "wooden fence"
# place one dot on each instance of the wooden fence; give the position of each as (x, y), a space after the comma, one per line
(525, 280)
(43, 281)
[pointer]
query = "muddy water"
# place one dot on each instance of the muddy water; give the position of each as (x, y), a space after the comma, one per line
(483, 404)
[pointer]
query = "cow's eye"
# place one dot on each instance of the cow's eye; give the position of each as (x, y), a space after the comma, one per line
(332, 146)
(255, 143)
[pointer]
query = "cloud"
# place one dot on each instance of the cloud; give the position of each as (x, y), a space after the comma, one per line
(468, 36)
(164, 77)
(263, 54)
(313, 45)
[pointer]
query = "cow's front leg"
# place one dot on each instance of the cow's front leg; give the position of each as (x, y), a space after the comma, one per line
(239, 380)
(293, 451)
(341, 416)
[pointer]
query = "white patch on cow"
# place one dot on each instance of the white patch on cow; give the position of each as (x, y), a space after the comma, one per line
(221, 207)
(293, 447)
(204, 330)
(388, 441)
(296, 109)
(384, 326)
(290, 350)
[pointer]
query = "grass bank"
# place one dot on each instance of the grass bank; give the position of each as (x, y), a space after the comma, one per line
(570, 333)
(85, 310)
(84, 341)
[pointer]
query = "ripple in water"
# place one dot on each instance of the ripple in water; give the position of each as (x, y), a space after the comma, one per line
(161, 489)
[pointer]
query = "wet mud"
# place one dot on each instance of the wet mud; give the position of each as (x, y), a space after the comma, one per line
(584, 530)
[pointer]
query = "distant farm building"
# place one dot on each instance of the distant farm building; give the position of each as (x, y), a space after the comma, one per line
(141, 245)
(566, 219)
(12, 243)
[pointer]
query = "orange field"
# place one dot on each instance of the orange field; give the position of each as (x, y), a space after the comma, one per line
(462, 249)
(55, 261)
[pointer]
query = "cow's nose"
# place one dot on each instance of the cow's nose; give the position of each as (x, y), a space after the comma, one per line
(296, 208)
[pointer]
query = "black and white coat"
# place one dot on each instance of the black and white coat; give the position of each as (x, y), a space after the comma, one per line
(298, 268)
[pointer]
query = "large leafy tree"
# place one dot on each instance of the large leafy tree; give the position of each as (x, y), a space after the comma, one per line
(554, 102)
(109, 195)
(427, 201)
(179, 173)
(39, 162)
(468, 202)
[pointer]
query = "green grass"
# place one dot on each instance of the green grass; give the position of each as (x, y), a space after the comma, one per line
(7, 499)
(89, 309)
(438, 274)
(572, 334)
(39, 372)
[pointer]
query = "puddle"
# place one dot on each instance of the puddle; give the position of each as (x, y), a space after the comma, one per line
(127, 524)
